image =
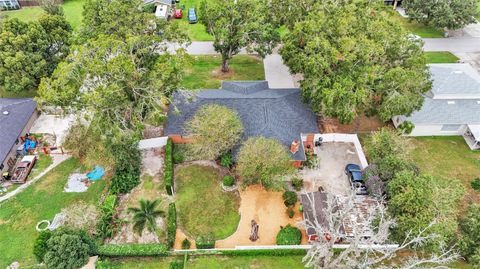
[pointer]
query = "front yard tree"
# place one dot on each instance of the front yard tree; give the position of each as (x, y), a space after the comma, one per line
(470, 236)
(449, 14)
(263, 160)
(355, 59)
(30, 51)
(68, 248)
(236, 24)
(215, 129)
(146, 215)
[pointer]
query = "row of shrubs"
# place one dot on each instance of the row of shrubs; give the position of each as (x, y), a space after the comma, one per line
(133, 250)
(171, 224)
(205, 242)
(168, 167)
(107, 226)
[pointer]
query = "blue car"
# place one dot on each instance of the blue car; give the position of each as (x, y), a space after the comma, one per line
(192, 15)
(355, 175)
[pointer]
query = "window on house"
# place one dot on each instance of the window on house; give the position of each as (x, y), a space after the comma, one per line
(450, 127)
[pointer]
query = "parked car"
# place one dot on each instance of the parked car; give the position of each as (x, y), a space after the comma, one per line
(192, 15)
(355, 175)
(178, 13)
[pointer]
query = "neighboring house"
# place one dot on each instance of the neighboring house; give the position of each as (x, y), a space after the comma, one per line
(163, 8)
(273, 113)
(16, 118)
(9, 4)
(451, 107)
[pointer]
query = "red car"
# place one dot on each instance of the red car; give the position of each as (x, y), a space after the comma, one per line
(177, 14)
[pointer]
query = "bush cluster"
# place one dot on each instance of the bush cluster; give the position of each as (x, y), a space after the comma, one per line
(106, 226)
(290, 198)
(171, 224)
(133, 250)
(297, 183)
(475, 184)
(176, 264)
(205, 242)
(168, 167)
(228, 181)
(289, 235)
(226, 160)
(127, 166)
(186, 244)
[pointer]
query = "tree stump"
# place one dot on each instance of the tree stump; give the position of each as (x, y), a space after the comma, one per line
(254, 232)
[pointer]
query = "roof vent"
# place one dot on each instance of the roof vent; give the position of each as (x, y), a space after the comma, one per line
(5, 112)
(451, 102)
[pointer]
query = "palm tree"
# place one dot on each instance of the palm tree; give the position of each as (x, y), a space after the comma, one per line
(146, 215)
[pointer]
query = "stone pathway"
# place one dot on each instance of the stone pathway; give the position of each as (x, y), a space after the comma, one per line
(57, 159)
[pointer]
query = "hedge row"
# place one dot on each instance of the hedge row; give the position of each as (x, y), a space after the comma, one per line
(168, 167)
(205, 242)
(133, 250)
(171, 224)
(106, 226)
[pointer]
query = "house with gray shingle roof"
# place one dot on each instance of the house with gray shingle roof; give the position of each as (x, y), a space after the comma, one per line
(16, 118)
(451, 107)
(273, 113)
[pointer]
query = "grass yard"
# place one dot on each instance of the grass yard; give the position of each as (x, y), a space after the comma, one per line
(215, 262)
(205, 73)
(448, 157)
(197, 31)
(42, 200)
(204, 209)
(72, 8)
(435, 57)
(418, 28)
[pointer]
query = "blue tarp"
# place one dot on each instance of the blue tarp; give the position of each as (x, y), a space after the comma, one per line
(29, 144)
(96, 174)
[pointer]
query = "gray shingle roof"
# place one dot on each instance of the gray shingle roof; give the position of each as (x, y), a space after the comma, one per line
(455, 81)
(273, 113)
(12, 124)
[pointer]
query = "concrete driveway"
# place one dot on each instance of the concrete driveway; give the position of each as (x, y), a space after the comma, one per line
(453, 44)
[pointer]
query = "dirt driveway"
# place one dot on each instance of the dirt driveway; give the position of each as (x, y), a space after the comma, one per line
(330, 175)
(268, 210)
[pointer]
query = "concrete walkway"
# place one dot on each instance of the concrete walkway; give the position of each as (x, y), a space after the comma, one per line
(57, 159)
(276, 73)
(453, 44)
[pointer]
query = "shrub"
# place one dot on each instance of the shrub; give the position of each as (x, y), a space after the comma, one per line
(40, 246)
(475, 184)
(133, 250)
(205, 242)
(149, 8)
(176, 264)
(289, 235)
(406, 127)
(297, 183)
(178, 156)
(290, 198)
(186, 244)
(103, 264)
(168, 167)
(171, 224)
(127, 166)
(226, 160)
(106, 226)
(290, 212)
(228, 181)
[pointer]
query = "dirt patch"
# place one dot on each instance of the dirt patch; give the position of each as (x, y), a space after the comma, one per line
(361, 124)
(179, 237)
(268, 210)
(219, 74)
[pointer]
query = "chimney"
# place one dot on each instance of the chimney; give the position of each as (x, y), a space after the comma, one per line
(294, 146)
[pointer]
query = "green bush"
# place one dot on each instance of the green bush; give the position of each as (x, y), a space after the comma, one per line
(103, 264)
(186, 244)
(133, 250)
(127, 166)
(289, 235)
(168, 167)
(476, 184)
(40, 246)
(178, 156)
(106, 226)
(171, 224)
(149, 8)
(290, 212)
(226, 160)
(290, 198)
(205, 242)
(297, 183)
(176, 264)
(228, 181)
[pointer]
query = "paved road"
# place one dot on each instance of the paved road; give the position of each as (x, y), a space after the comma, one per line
(453, 44)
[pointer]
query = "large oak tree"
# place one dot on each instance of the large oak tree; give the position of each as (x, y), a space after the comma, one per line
(355, 60)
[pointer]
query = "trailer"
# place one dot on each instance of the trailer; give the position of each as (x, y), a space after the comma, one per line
(23, 169)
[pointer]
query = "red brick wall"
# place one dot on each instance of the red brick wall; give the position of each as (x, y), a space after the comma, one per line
(178, 139)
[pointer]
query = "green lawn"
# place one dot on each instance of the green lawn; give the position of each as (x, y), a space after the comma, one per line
(435, 57)
(204, 209)
(197, 31)
(204, 73)
(418, 28)
(216, 262)
(72, 8)
(448, 157)
(42, 200)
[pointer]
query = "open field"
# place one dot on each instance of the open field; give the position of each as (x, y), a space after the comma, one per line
(40, 201)
(435, 57)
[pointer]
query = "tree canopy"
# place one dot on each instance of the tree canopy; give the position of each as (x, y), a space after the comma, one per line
(263, 160)
(450, 14)
(470, 235)
(354, 59)
(68, 249)
(215, 129)
(30, 51)
(236, 24)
